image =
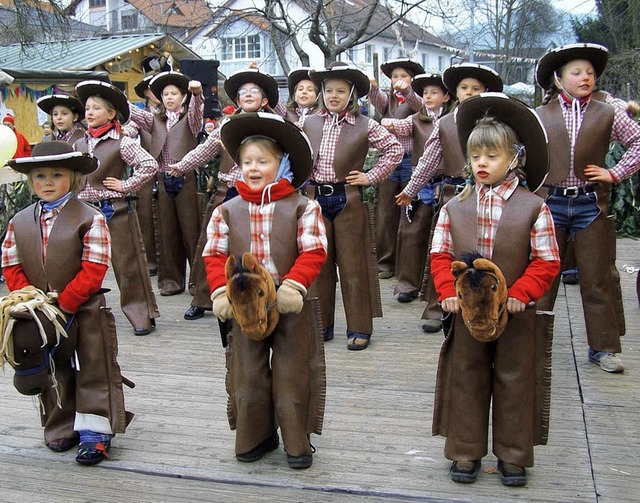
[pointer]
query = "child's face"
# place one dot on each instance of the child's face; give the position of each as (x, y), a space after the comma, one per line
(400, 75)
(63, 118)
(336, 94)
(250, 97)
(433, 97)
(469, 87)
(578, 78)
(259, 166)
(50, 184)
(46, 129)
(96, 114)
(172, 98)
(305, 94)
(209, 127)
(489, 165)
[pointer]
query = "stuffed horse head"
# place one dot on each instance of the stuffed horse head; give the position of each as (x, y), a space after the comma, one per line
(252, 294)
(34, 340)
(482, 293)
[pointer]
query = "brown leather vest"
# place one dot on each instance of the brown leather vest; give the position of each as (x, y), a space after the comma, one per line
(512, 242)
(64, 249)
(353, 143)
(111, 163)
(592, 143)
(452, 159)
(226, 162)
(421, 132)
(284, 241)
(292, 116)
(397, 110)
(179, 142)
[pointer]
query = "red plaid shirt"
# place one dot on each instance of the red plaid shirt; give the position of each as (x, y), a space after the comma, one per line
(428, 164)
(380, 100)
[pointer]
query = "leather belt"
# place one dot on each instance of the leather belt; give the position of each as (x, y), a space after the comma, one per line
(571, 191)
(329, 189)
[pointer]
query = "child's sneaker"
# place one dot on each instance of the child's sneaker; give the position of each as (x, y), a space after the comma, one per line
(93, 448)
(609, 362)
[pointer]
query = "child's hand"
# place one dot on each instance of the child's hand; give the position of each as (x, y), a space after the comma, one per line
(195, 87)
(374, 83)
(403, 199)
(290, 297)
(598, 174)
(173, 170)
(451, 305)
(357, 178)
(388, 123)
(112, 183)
(220, 304)
(254, 65)
(402, 86)
(515, 306)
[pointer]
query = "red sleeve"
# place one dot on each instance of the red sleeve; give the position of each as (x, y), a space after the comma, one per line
(15, 278)
(442, 276)
(86, 283)
(535, 281)
(214, 265)
(307, 267)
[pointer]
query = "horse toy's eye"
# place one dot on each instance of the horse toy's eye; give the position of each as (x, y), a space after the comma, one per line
(25, 352)
(459, 295)
(494, 288)
(260, 293)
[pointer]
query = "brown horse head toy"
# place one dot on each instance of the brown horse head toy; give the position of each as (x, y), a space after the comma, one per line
(252, 294)
(482, 293)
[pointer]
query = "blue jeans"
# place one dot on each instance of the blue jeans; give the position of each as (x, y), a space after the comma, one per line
(573, 213)
(402, 173)
(332, 205)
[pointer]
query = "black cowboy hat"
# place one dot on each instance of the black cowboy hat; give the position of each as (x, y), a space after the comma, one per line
(254, 76)
(47, 103)
(423, 80)
(522, 119)
(597, 54)
(408, 64)
(142, 86)
(342, 71)
(111, 93)
(295, 77)
(55, 154)
(237, 128)
(164, 79)
(453, 75)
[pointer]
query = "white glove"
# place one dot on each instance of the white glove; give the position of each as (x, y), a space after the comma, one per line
(221, 304)
(290, 297)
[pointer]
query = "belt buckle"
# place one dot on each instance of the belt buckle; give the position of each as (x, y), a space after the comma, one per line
(329, 190)
(571, 191)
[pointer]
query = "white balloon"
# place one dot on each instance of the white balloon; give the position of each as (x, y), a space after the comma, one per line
(8, 144)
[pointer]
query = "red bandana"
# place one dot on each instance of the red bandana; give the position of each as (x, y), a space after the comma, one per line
(97, 132)
(569, 100)
(278, 191)
(399, 97)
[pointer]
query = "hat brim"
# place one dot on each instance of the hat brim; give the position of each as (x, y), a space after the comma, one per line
(453, 75)
(142, 86)
(352, 75)
(598, 55)
(522, 119)
(164, 79)
(237, 128)
(88, 88)
(412, 66)
(48, 103)
(78, 161)
(268, 84)
(423, 80)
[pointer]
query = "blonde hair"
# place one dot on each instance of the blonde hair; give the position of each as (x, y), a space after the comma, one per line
(491, 133)
(264, 143)
(75, 180)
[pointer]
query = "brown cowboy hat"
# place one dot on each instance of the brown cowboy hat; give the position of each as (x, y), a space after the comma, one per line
(237, 128)
(295, 77)
(55, 154)
(88, 88)
(47, 103)
(342, 71)
(142, 86)
(596, 54)
(411, 66)
(254, 76)
(164, 79)
(522, 119)
(453, 75)
(423, 80)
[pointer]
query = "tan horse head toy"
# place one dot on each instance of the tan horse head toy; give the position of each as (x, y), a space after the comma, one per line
(482, 293)
(252, 294)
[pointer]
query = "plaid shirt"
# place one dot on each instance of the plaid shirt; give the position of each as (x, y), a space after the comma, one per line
(60, 136)
(624, 130)
(202, 154)
(379, 138)
(144, 167)
(489, 210)
(311, 233)
(380, 100)
(428, 164)
(96, 242)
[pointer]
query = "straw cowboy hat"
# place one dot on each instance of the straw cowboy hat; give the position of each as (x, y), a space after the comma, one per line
(111, 93)
(47, 104)
(252, 75)
(522, 119)
(55, 154)
(453, 75)
(238, 128)
(596, 54)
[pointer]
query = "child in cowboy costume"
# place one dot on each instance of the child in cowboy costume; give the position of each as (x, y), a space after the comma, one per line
(60, 244)
(399, 102)
(278, 380)
(66, 114)
(503, 221)
(303, 95)
(340, 138)
(442, 156)
(581, 128)
(106, 108)
(253, 91)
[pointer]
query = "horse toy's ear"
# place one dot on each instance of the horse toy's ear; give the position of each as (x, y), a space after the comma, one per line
(249, 262)
(482, 264)
(230, 267)
(457, 268)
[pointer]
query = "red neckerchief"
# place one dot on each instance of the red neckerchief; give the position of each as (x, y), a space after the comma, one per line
(278, 191)
(399, 97)
(569, 100)
(97, 132)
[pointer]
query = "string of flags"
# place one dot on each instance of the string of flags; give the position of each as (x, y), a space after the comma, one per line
(22, 90)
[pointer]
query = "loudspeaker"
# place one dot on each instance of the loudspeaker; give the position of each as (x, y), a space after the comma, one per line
(206, 71)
